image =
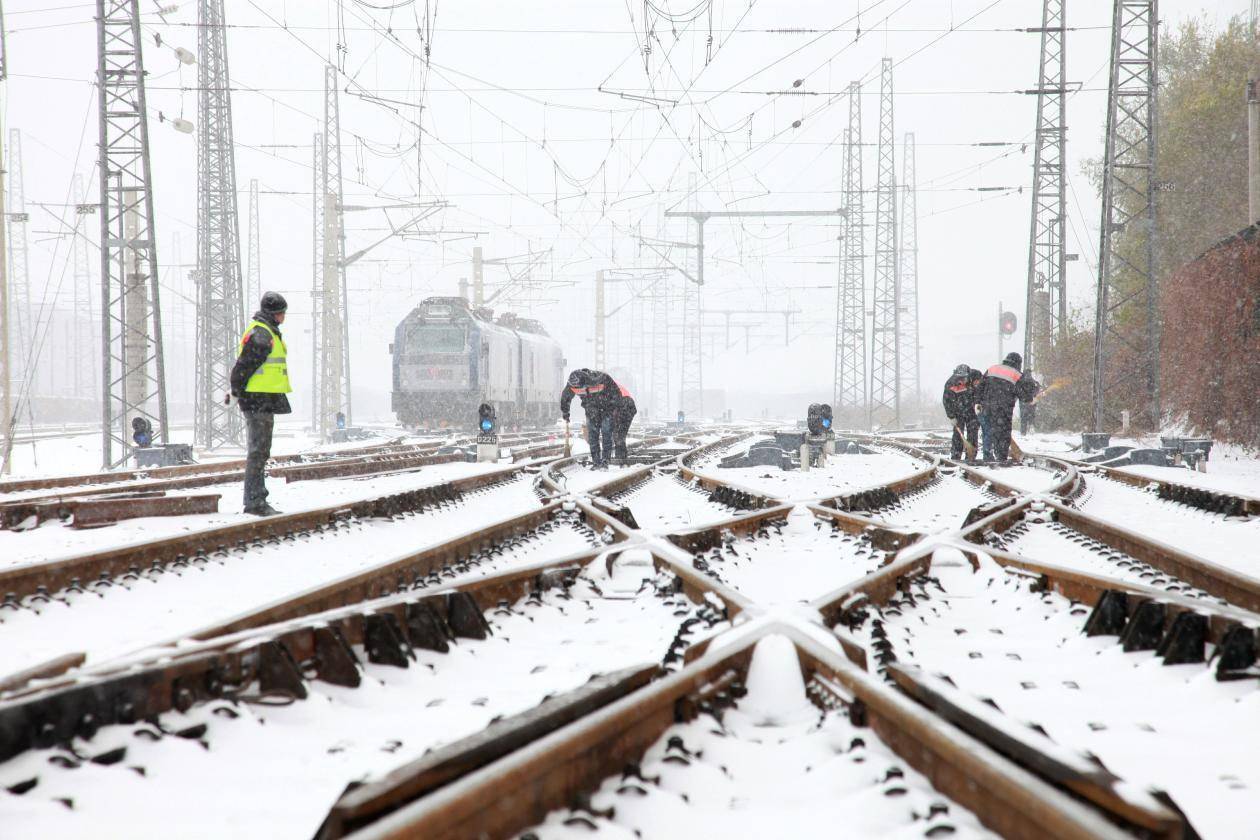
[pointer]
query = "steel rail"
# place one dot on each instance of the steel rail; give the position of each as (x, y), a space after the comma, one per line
(517, 791)
(84, 569)
(1238, 589)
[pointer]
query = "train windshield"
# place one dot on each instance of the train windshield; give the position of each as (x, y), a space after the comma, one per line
(436, 339)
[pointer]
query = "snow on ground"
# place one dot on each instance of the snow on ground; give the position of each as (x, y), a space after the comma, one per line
(1025, 478)
(1229, 542)
(139, 613)
(273, 771)
(55, 539)
(1238, 477)
(664, 503)
(771, 766)
(938, 506)
(791, 564)
(80, 453)
(1173, 728)
(842, 474)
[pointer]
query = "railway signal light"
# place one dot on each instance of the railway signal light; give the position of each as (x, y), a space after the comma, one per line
(1007, 323)
(487, 423)
(818, 419)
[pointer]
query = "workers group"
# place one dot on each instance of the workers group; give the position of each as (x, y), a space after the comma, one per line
(976, 402)
(609, 411)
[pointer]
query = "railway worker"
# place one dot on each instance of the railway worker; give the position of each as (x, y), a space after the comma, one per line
(623, 416)
(959, 400)
(1028, 404)
(1003, 385)
(600, 395)
(260, 381)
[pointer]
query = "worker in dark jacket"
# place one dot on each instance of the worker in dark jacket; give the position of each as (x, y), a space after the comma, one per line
(959, 400)
(1003, 385)
(260, 381)
(1028, 404)
(600, 395)
(623, 416)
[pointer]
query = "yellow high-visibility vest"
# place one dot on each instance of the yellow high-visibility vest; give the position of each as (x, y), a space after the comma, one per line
(272, 376)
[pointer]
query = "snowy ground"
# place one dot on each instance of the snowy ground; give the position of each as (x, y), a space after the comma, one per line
(772, 766)
(1154, 725)
(54, 539)
(273, 771)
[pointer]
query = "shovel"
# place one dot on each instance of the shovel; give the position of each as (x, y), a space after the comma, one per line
(568, 448)
(971, 450)
(1016, 453)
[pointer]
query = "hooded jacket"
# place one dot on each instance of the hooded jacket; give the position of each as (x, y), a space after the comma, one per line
(959, 398)
(600, 394)
(1002, 386)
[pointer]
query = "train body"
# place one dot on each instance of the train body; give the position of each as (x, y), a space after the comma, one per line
(449, 358)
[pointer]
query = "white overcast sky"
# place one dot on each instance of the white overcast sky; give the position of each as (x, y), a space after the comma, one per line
(530, 153)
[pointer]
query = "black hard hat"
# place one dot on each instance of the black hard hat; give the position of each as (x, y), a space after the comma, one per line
(1014, 360)
(577, 379)
(273, 302)
(962, 370)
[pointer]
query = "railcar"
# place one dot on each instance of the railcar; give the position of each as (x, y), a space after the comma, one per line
(448, 358)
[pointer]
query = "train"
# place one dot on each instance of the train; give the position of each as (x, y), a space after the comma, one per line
(449, 357)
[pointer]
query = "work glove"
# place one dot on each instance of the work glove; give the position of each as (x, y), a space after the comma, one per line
(565, 417)
(227, 398)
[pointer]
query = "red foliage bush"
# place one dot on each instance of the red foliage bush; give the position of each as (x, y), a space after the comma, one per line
(1210, 346)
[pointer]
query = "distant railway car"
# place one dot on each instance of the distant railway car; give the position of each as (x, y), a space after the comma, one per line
(449, 358)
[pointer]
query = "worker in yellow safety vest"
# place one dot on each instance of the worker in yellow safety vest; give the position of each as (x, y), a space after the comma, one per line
(260, 380)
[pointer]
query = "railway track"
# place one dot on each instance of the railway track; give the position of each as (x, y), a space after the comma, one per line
(1071, 646)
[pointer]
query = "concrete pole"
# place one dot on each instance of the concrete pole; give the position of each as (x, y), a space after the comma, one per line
(599, 320)
(479, 288)
(6, 371)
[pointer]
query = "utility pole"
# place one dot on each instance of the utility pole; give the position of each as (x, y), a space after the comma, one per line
(660, 349)
(478, 278)
(599, 320)
(1045, 317)
(133, 370)
(220, 315)
(1126, 329)
(1253, 121)
(24, 361)
(885, 402)
(84, 380)
(849, 388)
(8, 422)
(253, 265)
(908, 284)
(317, 272)
(334, 347)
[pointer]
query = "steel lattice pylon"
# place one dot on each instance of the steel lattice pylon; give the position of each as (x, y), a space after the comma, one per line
(23, 329)
(908, 280)
(134, 376)
(332, 309)
(253, 264)
(1127, 285)
(317, 282)
(885, 399)
(691, 378)
(1046, 313)
(660, 348)
(849, 387)
(220, 315)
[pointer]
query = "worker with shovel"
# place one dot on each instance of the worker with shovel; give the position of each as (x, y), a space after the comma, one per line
(959, 401)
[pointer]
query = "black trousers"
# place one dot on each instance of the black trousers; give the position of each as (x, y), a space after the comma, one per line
(258, 428)
(1000, 427)
(621, 427)
(972, 427)
(1027, 416)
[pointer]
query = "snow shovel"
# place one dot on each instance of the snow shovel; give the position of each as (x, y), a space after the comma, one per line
(971, 450)
(568, 448)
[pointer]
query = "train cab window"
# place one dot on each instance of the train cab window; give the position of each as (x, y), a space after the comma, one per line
(437, 339)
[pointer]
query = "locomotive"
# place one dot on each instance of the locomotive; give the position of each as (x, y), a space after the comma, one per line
(448, 358)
